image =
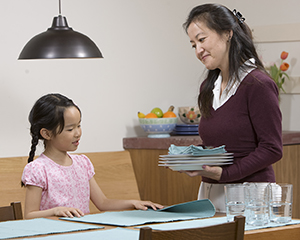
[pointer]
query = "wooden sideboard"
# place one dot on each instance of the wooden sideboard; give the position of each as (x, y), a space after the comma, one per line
(167, 187)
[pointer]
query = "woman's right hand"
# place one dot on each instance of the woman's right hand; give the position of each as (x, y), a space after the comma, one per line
(67, 212)
(209, 172)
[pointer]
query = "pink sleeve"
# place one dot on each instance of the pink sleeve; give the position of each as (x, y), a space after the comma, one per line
(34, 174)
(89, 167)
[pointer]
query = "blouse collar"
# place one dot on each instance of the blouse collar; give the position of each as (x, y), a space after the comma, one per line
(232, 86)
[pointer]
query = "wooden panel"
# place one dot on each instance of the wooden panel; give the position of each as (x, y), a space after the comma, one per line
(160, 184)
(287, 171)
(10, 180)
(115, 175)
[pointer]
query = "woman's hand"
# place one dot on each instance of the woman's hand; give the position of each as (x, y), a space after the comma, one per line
(67, 212)
(143, 205)
(209, 172)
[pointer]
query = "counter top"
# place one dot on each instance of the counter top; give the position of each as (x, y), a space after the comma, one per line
(288, 138)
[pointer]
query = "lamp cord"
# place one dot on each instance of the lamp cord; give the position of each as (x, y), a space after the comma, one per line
(59, 7)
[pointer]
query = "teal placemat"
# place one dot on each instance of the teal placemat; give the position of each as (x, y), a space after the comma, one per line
(111, 234)
(184, 211)
(209, 222)
(39, 226)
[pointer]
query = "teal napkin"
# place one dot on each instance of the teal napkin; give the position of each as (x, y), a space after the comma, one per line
(195, 150)
(39, 226)
(184, 211)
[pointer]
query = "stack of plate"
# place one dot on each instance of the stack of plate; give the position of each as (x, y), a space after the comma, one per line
(186, 129)
(189, 162)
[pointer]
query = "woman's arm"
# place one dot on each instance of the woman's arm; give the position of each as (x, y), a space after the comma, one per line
(105, 204)
(32, 206)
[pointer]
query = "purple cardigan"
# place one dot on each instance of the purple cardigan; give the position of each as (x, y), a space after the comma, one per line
(249, 125)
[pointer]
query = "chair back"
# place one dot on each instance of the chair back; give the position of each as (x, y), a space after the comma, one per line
(12, 212)
(230, 231)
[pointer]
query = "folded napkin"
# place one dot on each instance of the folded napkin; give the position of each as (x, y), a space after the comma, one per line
(184, 211)
(195, 150)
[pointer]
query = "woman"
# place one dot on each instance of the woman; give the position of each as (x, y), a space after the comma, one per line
(238, 101)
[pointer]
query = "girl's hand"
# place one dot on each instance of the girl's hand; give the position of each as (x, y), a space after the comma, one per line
(209, 172)
(143, 205)
(67, 212)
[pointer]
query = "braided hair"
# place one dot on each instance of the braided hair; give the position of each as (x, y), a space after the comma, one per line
(47, 112)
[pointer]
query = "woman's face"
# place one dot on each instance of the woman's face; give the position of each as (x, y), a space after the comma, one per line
(211, 48)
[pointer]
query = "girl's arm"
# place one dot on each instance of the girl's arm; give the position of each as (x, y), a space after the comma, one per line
(32, 206)
(105, 204)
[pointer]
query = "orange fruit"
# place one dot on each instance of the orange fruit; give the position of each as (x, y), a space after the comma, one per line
(151, 115)
(169, 115)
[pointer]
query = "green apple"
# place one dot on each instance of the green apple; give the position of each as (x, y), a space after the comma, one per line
(158, 112)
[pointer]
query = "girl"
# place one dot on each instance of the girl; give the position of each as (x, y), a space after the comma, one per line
(57, 183)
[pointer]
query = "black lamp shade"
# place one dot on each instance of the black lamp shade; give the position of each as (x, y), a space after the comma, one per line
(60, 41)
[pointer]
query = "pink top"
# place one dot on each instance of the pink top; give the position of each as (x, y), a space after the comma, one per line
(62, 185)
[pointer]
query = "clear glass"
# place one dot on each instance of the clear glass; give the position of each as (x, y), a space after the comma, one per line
(234, 200)
(257, 203)
(281, 199)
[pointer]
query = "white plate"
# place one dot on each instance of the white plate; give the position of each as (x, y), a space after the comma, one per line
(194, 161)
(193, 167)
(195, 156)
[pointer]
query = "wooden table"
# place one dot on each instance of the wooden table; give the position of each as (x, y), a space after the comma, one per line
(291, 232)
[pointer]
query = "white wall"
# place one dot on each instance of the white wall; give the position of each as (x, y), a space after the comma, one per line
(148, 62)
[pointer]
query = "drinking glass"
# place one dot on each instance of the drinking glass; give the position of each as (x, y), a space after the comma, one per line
(257, 203)
(281, 199)
(234, 200)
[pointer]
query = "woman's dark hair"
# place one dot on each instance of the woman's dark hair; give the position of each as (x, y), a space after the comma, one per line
(221, 20)
(47, 112)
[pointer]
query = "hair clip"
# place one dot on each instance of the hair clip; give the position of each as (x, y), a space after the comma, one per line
(238, 15)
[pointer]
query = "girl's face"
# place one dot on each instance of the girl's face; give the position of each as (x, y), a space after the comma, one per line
(211, 48)
(68, 139)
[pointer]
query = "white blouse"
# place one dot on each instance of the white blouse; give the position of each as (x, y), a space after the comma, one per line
(231, 87)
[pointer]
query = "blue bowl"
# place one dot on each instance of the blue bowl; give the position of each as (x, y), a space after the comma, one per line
(158, 127)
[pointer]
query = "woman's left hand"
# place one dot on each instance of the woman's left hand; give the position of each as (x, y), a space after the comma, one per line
(209, 172)
(143, 205)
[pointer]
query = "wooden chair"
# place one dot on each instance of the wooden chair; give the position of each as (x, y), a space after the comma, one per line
(230, 231)
(12, 212)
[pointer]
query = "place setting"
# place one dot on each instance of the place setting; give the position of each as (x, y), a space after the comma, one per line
(191, 158)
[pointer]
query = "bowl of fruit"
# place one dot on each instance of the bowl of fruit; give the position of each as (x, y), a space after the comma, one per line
(158, 124)
(189, 115)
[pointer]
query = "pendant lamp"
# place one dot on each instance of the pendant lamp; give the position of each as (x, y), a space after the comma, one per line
(60, 41)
